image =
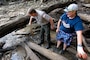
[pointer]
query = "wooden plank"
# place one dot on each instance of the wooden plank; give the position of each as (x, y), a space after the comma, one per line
(47, 53)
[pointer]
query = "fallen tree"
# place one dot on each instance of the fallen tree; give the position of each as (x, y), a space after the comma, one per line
(58, 5)
(84, 17)
(47, 53)
(30, 54)
(13, 25)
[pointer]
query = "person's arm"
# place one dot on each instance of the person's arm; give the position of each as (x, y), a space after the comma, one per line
(50, 19)
(79, 37)
(58, 25)
(30, 22)
(80, 51)
(52, 23)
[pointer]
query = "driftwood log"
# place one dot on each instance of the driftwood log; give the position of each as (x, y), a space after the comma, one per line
(86, 5)
(47, 53)
(58, 5)
(84, 17)
(10, 26)
(30, 53)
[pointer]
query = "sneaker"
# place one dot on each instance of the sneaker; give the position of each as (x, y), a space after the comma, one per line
(62, 52)
(56, 49)
(48, 46)
(52, 43)
(40, 43)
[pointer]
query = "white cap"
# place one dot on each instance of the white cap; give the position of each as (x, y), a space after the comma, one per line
(71, 7)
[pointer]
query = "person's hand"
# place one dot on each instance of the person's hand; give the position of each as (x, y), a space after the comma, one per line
(29, 23)
(52, 27)
(57, 30)
(81, 53)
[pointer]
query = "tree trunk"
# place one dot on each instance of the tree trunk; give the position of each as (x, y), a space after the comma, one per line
(7, 28)
(84, 17)
(87, 1)
(30, 53)
(47, 53)
(58, 5)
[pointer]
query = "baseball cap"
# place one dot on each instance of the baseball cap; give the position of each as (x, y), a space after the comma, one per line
(71, 7)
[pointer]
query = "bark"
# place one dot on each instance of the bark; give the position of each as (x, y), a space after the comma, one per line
(30, 53)
(86, 1)
(84, 17)
(10, 26)
(86, 5)
(45, 52)
(86, 44)
(58, 5)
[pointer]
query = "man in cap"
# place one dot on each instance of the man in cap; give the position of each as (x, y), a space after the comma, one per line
(45, 21)
(69, 23)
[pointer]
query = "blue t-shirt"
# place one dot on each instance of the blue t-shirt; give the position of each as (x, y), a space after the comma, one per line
(70, 25)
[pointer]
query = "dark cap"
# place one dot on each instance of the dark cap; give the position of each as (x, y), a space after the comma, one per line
(31, 10)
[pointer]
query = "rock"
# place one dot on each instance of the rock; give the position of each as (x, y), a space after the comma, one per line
(29, 29)
(19, 54)
(16, 57)
(4, 19)
(11, 43)
(1, 3)
(1, 16)
(11, 40)
(24, 31)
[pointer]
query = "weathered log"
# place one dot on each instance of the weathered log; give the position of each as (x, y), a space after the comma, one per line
(30, 53)
(7, 49)
(58, 5)
(10, 26)
(84, 17)
(86, 5)
(86, 1)
(29, 29)
(47, 53)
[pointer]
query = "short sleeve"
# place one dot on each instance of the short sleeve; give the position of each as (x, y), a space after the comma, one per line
(63, 17)
(46, 16)
(78, 26)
